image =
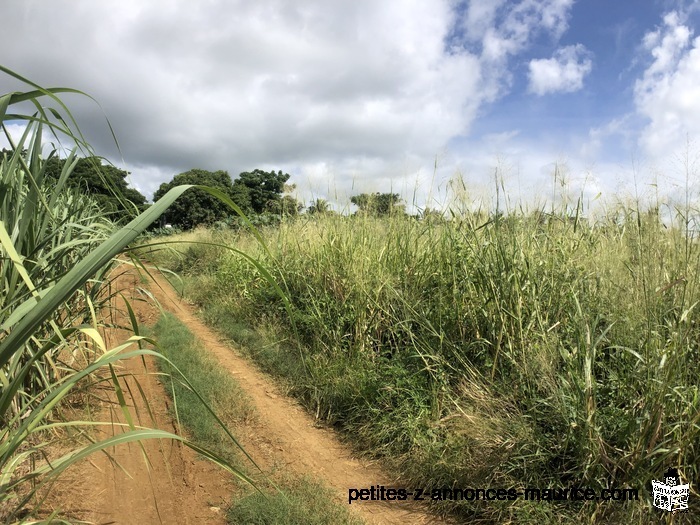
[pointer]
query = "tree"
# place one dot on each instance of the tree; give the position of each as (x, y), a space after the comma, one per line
(264, 189)
(285, 205)
(106, 183)
(196, 206)
(379, 204)
(289, 206)
(255, 192)
(319, 207)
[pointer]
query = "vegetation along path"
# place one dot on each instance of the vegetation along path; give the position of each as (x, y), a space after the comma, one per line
(121, 488)
(283, 437)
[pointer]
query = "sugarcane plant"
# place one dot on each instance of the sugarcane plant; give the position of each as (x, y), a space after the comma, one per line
(57, 250)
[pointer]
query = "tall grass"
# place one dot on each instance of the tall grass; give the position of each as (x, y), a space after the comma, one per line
(525, 350)
(56, 252)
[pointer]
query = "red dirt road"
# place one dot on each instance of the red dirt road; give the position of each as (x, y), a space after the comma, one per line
(180, 488)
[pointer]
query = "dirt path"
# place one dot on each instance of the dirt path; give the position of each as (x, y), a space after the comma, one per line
(174, 487)
(286, 436)
(189, 490)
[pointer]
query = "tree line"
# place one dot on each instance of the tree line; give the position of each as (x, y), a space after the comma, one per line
(259, 194)
(106, 183)
(256, 193)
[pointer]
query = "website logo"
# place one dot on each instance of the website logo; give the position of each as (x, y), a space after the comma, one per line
(670, 495)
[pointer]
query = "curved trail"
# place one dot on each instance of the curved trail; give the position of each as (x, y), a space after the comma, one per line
(176, 487)
(285, 435)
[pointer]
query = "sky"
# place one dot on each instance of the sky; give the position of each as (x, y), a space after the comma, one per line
(432, 99)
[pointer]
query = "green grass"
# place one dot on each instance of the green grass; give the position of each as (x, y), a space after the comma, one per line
(300, 501)
(527, 350)
(305, 503)
(186, 354)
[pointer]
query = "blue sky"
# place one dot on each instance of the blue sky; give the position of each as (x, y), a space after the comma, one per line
(611, 33)
(400, 95)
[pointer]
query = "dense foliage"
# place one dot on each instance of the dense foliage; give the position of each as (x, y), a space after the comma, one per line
(515, 351)
(257, 193)
(319, 207)
(107, 184)
(197, 206)
(263, 189)
(378, 204)
(57, 246)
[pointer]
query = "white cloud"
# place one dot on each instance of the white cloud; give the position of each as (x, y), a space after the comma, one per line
(345, 96)
(513, 24)
(16, 130)
(616, 133)
(479, 17)
(666, 45)
(237, 85)
(667, 94)
(564, 72)
(506, 29)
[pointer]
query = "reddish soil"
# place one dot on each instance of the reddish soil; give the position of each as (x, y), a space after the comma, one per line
(172, 486)
(180, 488)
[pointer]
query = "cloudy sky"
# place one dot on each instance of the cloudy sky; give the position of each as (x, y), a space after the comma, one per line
(391, 95)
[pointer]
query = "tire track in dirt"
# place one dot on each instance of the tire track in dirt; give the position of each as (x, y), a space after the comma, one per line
(285, 435)
(175, 486)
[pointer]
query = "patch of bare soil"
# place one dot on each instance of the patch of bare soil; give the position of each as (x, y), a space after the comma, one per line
(179, 488)
(172, 486)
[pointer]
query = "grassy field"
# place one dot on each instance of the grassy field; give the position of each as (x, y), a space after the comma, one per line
(58, 250)
(527, 350)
